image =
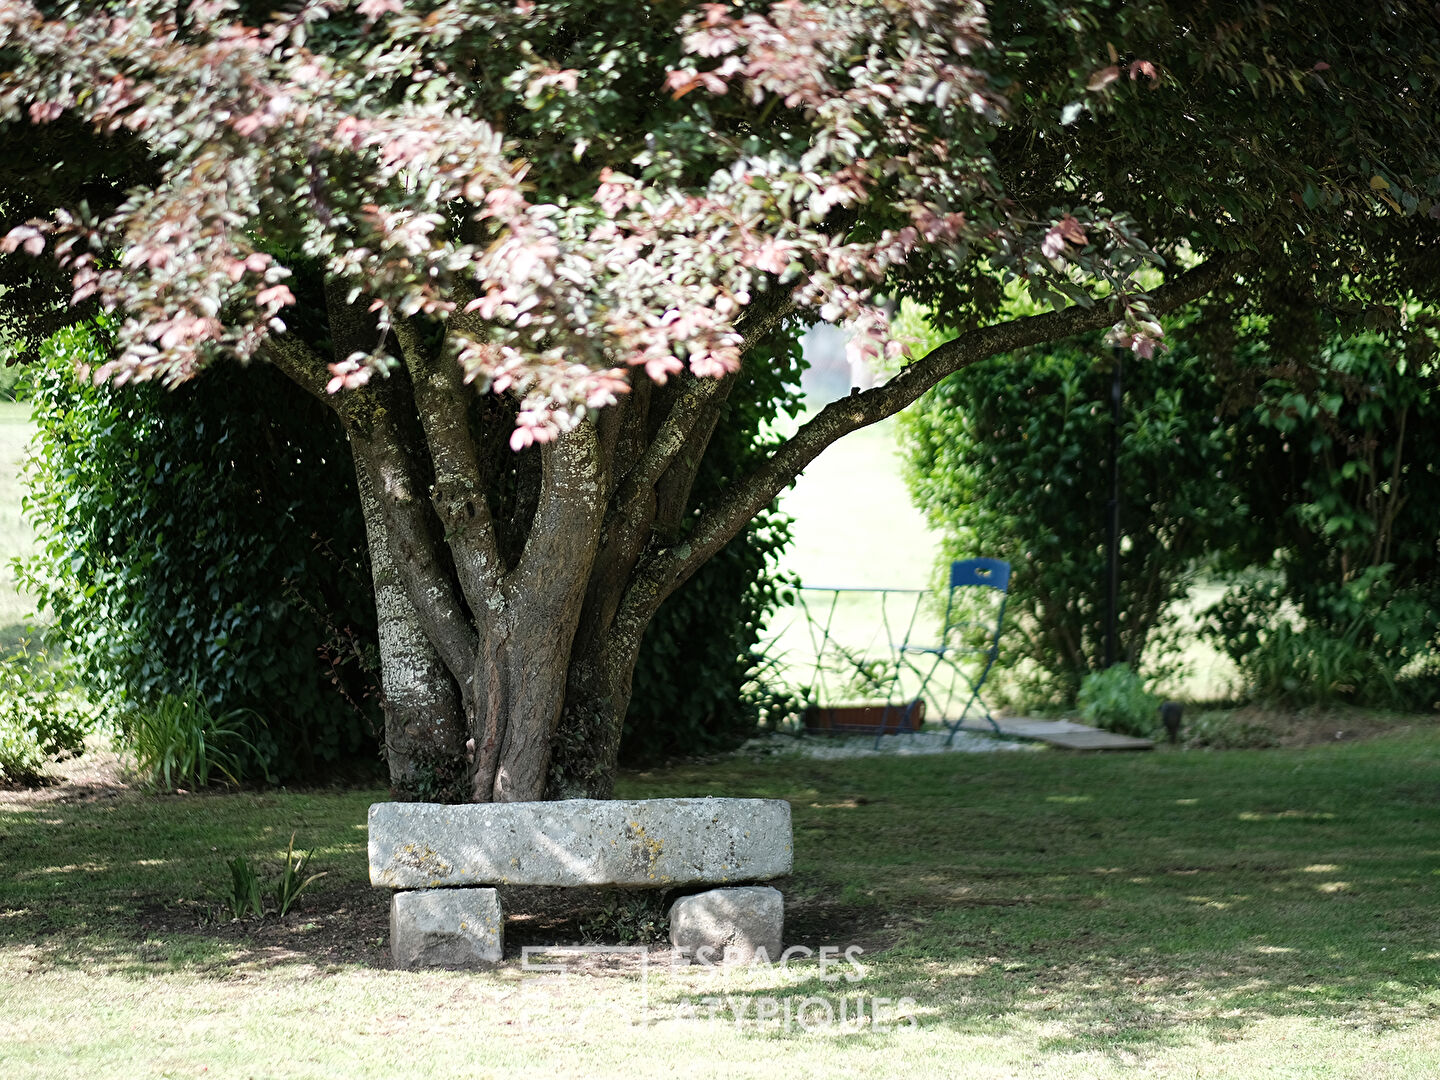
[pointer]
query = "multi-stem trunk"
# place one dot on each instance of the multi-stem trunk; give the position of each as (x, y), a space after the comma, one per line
(498, 629)
(513, 589)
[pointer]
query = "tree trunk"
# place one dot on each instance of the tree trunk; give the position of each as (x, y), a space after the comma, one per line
(424, 725)
(520, 678)
(513, 590)
(498, 636)
(597, 696)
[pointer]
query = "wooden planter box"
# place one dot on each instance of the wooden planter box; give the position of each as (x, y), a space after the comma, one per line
(865, 719)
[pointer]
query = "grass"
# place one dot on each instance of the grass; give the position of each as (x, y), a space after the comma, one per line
(854, 522)
(1239, 914)
(17, 539)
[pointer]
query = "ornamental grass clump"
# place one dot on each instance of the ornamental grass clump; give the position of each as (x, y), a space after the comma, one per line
(179, 742)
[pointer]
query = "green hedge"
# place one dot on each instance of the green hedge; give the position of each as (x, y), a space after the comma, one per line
(207, 538)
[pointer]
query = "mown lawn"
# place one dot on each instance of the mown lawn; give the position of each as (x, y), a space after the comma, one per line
(1238, 914)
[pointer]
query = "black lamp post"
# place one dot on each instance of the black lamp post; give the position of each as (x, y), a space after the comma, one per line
(1112, 610)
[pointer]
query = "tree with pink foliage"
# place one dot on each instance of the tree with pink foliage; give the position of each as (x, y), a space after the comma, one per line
(522, 249)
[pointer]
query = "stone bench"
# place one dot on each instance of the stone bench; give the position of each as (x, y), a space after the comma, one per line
(446, 861)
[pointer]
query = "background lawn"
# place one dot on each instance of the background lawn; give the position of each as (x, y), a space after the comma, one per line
(17, 539)
(1238, 914)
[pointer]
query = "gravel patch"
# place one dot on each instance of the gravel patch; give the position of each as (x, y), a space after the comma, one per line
(851, 746)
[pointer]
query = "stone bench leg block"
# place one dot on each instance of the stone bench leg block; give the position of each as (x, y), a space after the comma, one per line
(446, 928)
(732, 925)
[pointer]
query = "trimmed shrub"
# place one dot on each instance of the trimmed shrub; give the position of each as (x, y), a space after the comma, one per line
(1009, 458)
(207, 541)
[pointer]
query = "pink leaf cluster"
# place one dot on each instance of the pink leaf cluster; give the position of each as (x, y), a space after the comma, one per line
(1066, 229)
(556, 304)
(1139, 333)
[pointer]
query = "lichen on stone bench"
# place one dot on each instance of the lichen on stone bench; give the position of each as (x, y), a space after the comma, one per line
(646, 843)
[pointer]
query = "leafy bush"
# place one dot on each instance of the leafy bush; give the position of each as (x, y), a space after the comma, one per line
(1353, 644)
(1116, 699)
(206, 539)
(1315, 666)
(293, 880)
(243, 897)
(245, 894)
(42, 717)
(1009, 458)
(1344, 457)
(1347, 453)
(1319, 467)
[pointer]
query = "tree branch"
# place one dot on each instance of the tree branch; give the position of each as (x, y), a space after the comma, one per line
(759, 320)
(665, 470)
(427, 581)
(674, 433)
(763, 316)
(672, 490)
(305, 367)
(442, 400)
(670, 567)
(566, 527)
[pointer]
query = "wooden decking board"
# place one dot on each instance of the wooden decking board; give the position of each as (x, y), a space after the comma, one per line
(1066, 734)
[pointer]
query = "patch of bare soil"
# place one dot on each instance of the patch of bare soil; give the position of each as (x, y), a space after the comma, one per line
(98, 773)
(345, 924)
(814, 923)
(102, 773)
(540, 916)
(1314, 727)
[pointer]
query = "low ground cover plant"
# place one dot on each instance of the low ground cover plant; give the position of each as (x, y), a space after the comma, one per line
(42, 717)
(246, 894)
(1116, 699)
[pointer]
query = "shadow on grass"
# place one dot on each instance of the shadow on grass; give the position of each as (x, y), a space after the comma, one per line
(122, 882)
(1095, 1004)
(327, 930)
(1087, 903)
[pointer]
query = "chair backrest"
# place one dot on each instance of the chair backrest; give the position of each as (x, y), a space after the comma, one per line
(992, 572)
(987, 573)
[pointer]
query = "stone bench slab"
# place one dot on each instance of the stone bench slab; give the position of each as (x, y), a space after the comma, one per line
(650, 843)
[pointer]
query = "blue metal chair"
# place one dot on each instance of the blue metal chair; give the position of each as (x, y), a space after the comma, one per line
(969, 637)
